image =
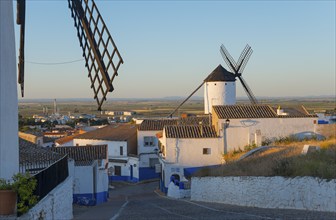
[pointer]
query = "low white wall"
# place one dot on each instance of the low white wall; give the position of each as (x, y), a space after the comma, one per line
(305, 193)
(177, 193)
(56, 205)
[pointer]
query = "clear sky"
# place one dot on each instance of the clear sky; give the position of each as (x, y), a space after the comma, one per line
(169, 47)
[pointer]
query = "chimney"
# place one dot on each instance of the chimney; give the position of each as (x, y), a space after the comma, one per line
(201, 128)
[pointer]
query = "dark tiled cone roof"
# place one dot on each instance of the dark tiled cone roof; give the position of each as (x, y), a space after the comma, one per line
(255, 111)
(190, 131)
(31, 153)
(115, 132)
(220, 74)
(159, 124)
(83, 153)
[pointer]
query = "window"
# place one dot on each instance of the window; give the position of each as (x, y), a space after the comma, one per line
(117, 170)
(206, 150)
(149, 141)
(121, 151)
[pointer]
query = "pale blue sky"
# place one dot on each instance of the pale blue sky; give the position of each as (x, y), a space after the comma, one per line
(169, 47)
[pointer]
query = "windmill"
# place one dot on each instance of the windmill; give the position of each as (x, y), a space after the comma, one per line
(238, 68)
(221, 79)
(101, 55)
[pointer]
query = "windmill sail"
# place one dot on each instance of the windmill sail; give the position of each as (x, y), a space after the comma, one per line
(238, 68)
(101, 55)
(248, 90)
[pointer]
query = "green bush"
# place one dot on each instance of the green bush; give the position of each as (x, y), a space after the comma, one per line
(25, 185)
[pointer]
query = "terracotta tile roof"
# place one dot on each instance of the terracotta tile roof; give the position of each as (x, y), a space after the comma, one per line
(66, 139)
(255, 111)
(159, 124)
(31, 153)
(115, 132)
(190, 131)
(83, 153)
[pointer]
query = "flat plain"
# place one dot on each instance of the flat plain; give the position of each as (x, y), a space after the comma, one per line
(159, 107)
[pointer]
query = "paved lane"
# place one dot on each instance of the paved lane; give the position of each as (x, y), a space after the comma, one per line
(141, 202)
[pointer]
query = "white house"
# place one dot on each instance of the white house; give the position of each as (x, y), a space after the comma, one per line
(121, 140)
(148, 144)
(186, 148)
(89, 173)
(241, 125)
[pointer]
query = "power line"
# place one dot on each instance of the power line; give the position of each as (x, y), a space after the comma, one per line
(53, 63)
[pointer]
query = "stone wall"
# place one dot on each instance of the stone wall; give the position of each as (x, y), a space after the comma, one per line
(306, 193)
(56, 205)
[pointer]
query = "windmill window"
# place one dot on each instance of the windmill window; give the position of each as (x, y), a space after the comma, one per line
(206, 151)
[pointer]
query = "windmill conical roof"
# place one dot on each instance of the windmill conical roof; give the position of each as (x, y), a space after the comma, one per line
(220, 74)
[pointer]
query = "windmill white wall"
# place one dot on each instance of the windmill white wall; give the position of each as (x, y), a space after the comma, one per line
(219, 89)
(218, 93)
(9, 146)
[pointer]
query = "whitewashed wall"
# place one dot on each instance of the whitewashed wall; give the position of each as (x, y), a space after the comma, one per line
(113, 146)
(219, 93)
(189, 152)
(66, 144)
(306, 193)
(9, 146)
(177, 193)
(101, 180)
(83, 180)
(56, 205)
(126, 167)
(144, 152)
(141, 147)
(170, 169)
(242, 132)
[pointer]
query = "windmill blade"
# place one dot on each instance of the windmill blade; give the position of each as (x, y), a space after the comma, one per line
(243, 59)
(102, 58)
(228, 59)
(248, 91)
(21, 20)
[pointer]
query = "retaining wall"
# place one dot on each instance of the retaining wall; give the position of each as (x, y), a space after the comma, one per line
(306, 193)
(56, 205)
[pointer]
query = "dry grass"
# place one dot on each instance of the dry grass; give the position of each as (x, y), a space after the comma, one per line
(283, 160)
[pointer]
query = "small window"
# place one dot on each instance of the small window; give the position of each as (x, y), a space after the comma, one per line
(206, 150)
(149, 141)
(121, 151)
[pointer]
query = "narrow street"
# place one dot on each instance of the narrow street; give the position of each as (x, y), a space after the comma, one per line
(141, 201)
